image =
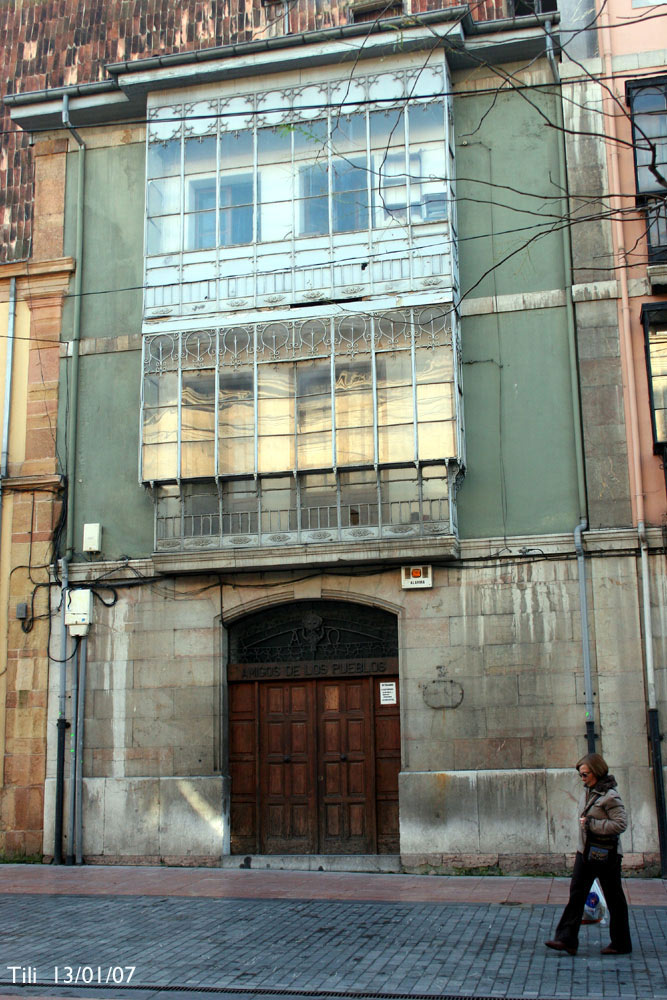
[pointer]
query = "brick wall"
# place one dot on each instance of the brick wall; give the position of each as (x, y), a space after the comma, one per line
(52, 43)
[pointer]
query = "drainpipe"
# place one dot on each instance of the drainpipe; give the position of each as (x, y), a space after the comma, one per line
(4, 459)
(576, 413)
(72, 760)
(73, 405)
(78, 795)
(76, 334)
(625, 333)
(62, 720)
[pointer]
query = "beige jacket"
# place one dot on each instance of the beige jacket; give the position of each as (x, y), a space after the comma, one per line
(606, 814)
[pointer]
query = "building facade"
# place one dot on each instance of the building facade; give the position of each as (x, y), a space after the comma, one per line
(338, 384)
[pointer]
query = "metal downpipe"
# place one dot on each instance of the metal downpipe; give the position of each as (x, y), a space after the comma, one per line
(655, 739)
(78, 796)
(6, 413)
(73, 407)
(62, 719)
(71, 831)
(576, 413)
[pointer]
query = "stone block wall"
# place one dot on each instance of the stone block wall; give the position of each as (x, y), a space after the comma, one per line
(492, 695)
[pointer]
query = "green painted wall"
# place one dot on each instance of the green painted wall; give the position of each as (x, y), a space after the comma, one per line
(113, 240)
(106, 488)
(521, 473)
(507, 194)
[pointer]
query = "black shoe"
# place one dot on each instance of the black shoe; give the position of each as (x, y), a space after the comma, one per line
(560, 946)
(609, 950)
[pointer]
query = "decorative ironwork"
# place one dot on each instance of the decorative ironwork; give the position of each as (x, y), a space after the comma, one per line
(313, 630)
(274, 108)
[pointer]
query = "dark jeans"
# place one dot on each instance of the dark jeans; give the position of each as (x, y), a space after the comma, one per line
(609, 875)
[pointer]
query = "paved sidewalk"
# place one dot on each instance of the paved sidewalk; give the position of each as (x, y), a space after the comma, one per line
(189, 932)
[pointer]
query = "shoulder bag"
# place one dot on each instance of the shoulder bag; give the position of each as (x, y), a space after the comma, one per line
(599, 848)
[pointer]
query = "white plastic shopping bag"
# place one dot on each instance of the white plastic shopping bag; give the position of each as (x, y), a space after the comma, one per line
(595, 909)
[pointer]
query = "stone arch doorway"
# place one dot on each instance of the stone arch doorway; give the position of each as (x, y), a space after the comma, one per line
(314, 730)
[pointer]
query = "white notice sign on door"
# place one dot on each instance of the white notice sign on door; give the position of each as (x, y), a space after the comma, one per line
(387, 692)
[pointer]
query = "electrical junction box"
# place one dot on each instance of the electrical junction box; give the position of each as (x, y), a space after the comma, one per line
(78, 611)
(92, 538)
(416, 577)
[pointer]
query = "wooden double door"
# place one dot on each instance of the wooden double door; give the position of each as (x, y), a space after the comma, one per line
(314, 766)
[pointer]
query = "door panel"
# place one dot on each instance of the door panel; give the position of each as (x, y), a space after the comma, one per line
(243, 767)
(288, 820)
(345, 771)
(387, 766)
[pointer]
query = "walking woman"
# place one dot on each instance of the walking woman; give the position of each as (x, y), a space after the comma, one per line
(601, 819)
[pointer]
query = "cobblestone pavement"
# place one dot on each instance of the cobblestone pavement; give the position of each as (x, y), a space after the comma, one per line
(185, 946)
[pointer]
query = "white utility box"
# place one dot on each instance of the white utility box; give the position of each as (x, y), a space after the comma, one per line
(92, 538)
(78, 611)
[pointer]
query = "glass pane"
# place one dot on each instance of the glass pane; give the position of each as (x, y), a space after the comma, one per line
(236, 455)
(354, 393)
(313, 209)
(163, 197)
(427, 122)
(274, 145)
(437, 440)
(236, 412)
(661, 425)
(659, 386)
(198, 388)
(275, 186)
(197, 459)
(650, 99)
(240, 506)
(313, 387)
(434, 366)
(310, 139)
(435, 504)
(276, 453)
(236, 149)
(164, 158)
(200, 231)
(163, 235)
(200, 194)
(435, 402)
(354, 446)
(236, 203)
(387, 129)
(318, 502)
(658, 352)
(200, 511)
(161, 390)
(160, 425)
(359, 498)
(314, 414)
(278, 505)
(349, 184)
(159, 461)
(314, 450)
(348, 133)
(200, 155)
(396, 443)
(400, 496)
(275, 391)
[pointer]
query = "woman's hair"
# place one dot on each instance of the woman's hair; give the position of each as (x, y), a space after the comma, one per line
(595, 763)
